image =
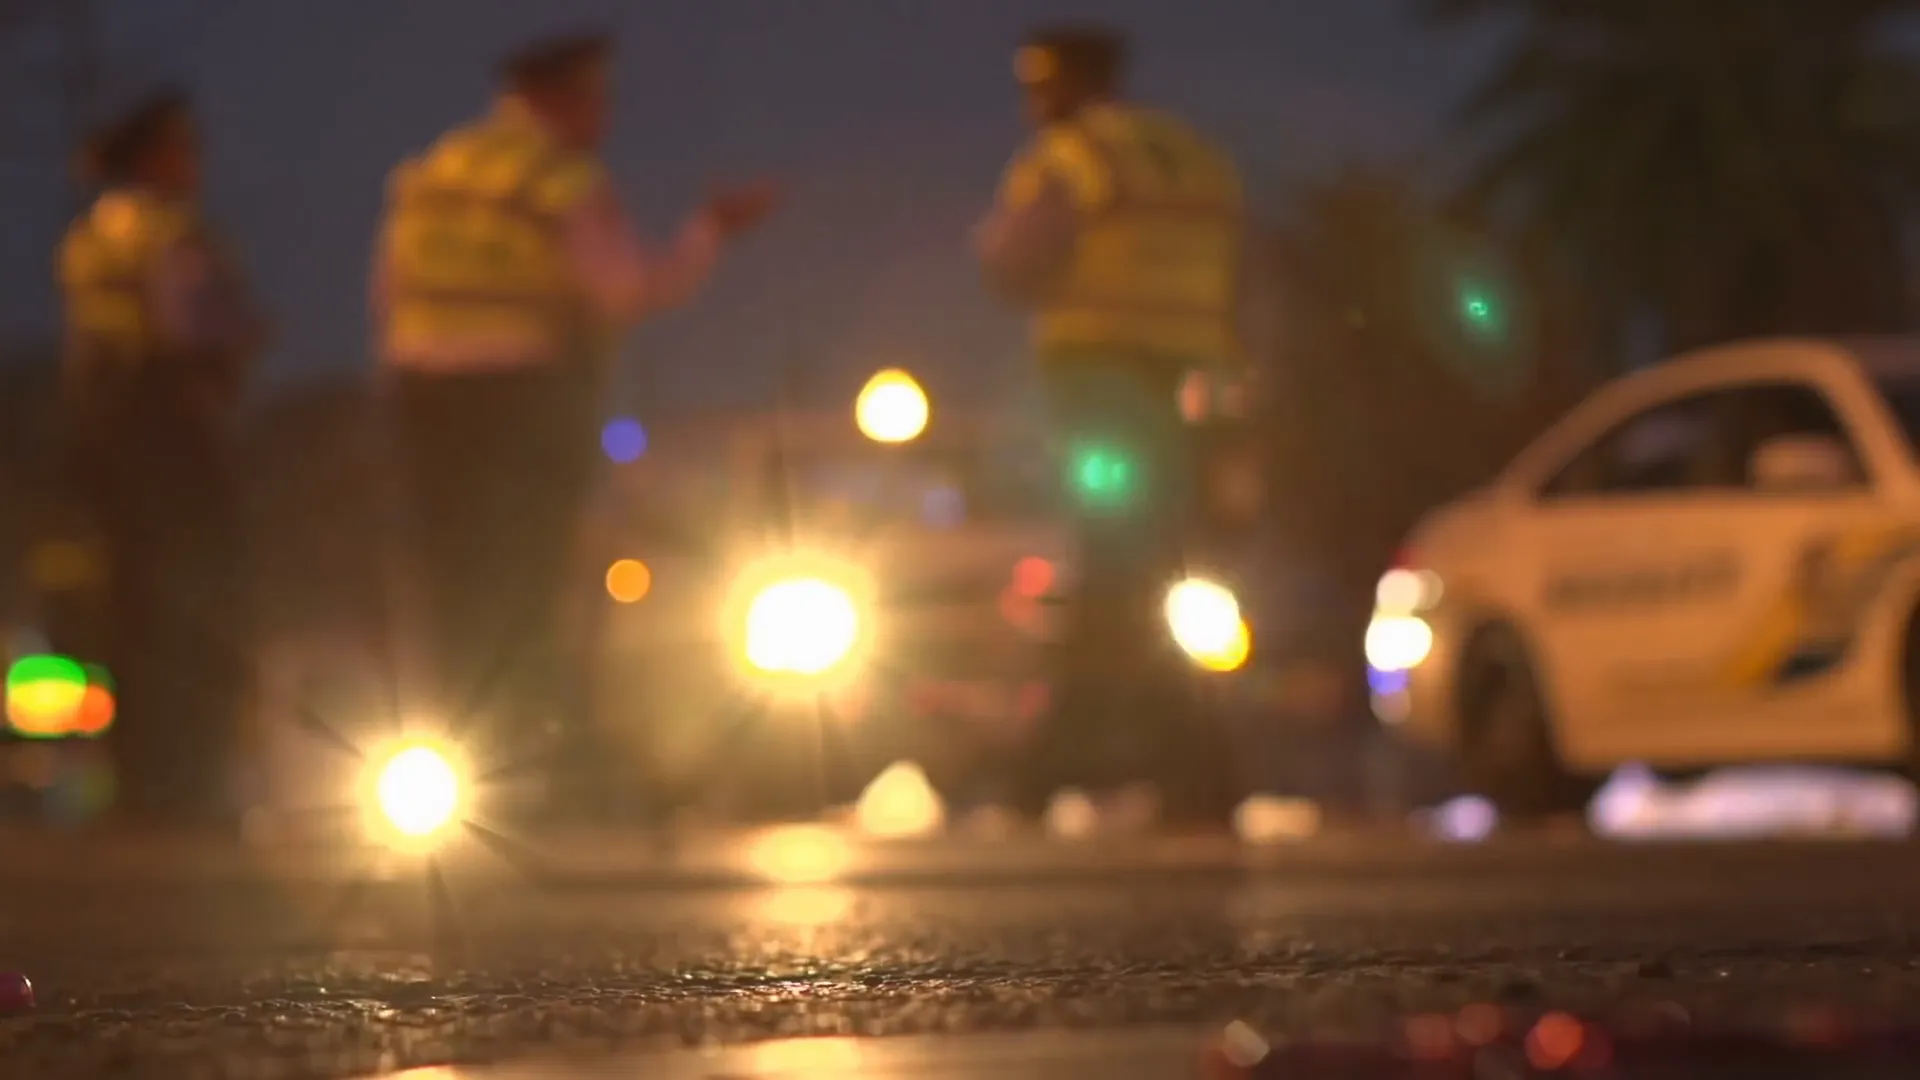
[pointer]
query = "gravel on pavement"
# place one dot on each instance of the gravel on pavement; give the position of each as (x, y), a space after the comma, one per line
(313, 979)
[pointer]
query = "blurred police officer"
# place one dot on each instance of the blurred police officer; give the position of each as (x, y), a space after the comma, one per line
(161, 336)
(507, 271)
(1122, 231)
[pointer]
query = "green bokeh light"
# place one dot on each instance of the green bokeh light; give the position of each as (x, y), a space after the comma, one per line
(36, 669)
(1481, 311)
(1104, 475)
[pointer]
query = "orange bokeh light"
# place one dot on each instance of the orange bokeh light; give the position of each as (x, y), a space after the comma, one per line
(95, 712)
(629, 580)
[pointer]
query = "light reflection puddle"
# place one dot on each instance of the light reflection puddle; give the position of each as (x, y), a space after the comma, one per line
(1122, 1055)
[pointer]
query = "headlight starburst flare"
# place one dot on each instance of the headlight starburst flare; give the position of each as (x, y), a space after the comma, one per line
(418, 791)
(801, 626)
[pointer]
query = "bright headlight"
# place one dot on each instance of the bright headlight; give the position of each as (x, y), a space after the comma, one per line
(1398, 642)
(419, 791)
(801, 626)
(1205, 620)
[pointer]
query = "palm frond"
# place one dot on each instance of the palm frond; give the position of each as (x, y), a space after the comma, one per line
(1534, 76)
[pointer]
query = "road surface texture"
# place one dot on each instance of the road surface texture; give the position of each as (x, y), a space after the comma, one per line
(226, 971)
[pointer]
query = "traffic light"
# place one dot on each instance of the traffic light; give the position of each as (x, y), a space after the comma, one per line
(1104, 476)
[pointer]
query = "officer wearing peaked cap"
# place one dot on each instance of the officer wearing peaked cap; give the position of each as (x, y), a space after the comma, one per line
(1121, 231)
(161, 334)
(506, 272)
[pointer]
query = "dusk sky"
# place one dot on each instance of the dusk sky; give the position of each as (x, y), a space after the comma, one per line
(888, 119)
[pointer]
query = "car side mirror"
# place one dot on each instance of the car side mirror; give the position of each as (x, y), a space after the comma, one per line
(1802, 463)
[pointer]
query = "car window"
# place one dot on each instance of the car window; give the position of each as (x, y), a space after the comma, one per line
(1685, 444)
(1780, 410)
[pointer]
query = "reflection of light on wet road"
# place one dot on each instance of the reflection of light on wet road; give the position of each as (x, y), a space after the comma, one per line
(1732, 804)
(806, 1059)
(1242, 1046)
(1266, 819)
(1754, 802)
(800, 854)
(1155, 1051)
(1467, 819)
(900, 804)
(804, 906)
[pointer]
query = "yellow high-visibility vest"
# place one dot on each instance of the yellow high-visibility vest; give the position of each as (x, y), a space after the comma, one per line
(1157, 262)
(106, 266)
(473, 248)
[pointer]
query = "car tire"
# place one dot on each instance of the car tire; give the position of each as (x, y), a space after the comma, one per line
(1508, 751)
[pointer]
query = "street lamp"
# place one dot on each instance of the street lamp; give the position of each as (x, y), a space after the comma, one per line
(891, 408)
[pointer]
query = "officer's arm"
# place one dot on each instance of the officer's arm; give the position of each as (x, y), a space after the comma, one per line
(1025, 242)
(620, 277)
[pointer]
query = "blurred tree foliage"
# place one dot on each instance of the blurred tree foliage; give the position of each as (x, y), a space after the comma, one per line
(1721, 169)
(1705, 171)
(1418, 355)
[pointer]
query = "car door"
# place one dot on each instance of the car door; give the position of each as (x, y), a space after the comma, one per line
(1634, 547)
(1808, 578)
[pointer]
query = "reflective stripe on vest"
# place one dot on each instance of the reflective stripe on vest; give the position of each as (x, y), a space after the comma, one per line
(473, 247)
(1156, 265)
(107, 262)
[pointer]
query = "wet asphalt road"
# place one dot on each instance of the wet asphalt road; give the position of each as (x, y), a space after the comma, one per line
(258, 979)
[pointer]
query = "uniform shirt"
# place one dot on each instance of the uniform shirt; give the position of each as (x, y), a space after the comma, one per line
(205, 329)
(1024, 244)
(621, 278)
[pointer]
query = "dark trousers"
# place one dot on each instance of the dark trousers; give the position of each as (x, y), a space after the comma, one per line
(156, 478)
(496, 466)
(1124, 696)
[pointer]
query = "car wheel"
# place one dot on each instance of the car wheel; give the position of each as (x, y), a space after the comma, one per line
(1508, 747)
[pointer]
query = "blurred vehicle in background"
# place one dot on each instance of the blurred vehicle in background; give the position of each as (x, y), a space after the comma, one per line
(909, 580)
(1706, 563)
(773, 608)
(796, 611)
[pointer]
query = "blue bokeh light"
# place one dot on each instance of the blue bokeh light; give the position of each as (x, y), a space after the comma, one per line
(624, 440)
